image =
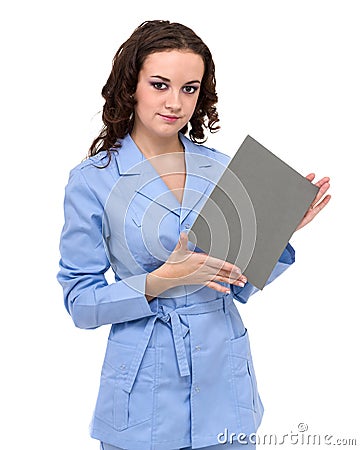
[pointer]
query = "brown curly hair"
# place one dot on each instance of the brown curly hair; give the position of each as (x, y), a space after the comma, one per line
(118, 92)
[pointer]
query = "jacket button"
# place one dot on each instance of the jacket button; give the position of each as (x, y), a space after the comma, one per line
(197, 389)
(197, 348)
(187, 226)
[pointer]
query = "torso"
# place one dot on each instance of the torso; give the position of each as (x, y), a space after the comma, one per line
(172, 170)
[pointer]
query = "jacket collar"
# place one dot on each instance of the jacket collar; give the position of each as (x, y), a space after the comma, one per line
(201, 174)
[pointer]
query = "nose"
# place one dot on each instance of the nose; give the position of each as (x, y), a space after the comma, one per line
(173, 101)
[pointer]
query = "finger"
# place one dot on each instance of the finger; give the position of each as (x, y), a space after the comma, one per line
(230, 277)
(237, 281)
(178, 245)
(220, 264)
(322, 181)
(182, 242)
(214, 270)
(324, 187)
(310, 176)
(313, 212)
(320, 205)
(218, 287)
(183, 236)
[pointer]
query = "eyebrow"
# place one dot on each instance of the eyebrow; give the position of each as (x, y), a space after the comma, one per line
(168, 80)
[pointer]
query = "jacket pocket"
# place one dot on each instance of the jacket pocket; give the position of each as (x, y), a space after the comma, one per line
(116, 406)
(245, 386)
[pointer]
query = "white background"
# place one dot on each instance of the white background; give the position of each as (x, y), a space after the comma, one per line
(287, 74)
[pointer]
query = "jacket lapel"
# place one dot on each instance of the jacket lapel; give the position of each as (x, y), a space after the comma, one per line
(202, 173)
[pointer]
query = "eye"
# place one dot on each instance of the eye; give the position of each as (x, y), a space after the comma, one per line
(159, 85)
(190, 89)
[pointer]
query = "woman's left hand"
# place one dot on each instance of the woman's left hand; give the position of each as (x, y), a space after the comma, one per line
(319, 201)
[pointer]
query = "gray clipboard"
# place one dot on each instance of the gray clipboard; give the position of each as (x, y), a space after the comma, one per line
(252, 211)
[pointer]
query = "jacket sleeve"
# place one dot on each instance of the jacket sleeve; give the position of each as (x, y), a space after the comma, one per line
(88, 297)
(286, 259)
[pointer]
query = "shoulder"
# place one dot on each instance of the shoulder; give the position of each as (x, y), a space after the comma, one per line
(220, 156)
(95, 167)
(207, 151)
(100, 161)
(94, 176)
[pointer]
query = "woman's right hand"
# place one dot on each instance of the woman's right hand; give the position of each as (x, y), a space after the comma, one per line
(185, 267)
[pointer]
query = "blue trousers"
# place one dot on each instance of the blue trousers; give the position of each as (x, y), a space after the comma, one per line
(236, 445)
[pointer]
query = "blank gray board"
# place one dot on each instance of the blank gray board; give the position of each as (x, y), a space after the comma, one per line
(253, 211)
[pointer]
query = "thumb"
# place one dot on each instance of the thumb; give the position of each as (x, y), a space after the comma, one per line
(183, 242)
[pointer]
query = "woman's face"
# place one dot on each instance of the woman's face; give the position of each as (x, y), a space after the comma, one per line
(167, 91)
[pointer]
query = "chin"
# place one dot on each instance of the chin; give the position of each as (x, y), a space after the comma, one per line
(169, 132)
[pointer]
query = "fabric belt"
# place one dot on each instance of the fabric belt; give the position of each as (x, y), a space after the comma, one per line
(172, 316)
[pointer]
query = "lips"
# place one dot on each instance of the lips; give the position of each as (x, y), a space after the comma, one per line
(169, 118)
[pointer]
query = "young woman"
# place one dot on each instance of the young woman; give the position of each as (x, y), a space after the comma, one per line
(178, 369)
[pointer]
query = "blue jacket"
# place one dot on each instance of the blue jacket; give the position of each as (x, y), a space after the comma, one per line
(177, 370)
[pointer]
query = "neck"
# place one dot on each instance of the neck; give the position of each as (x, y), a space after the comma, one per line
(155, 145)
